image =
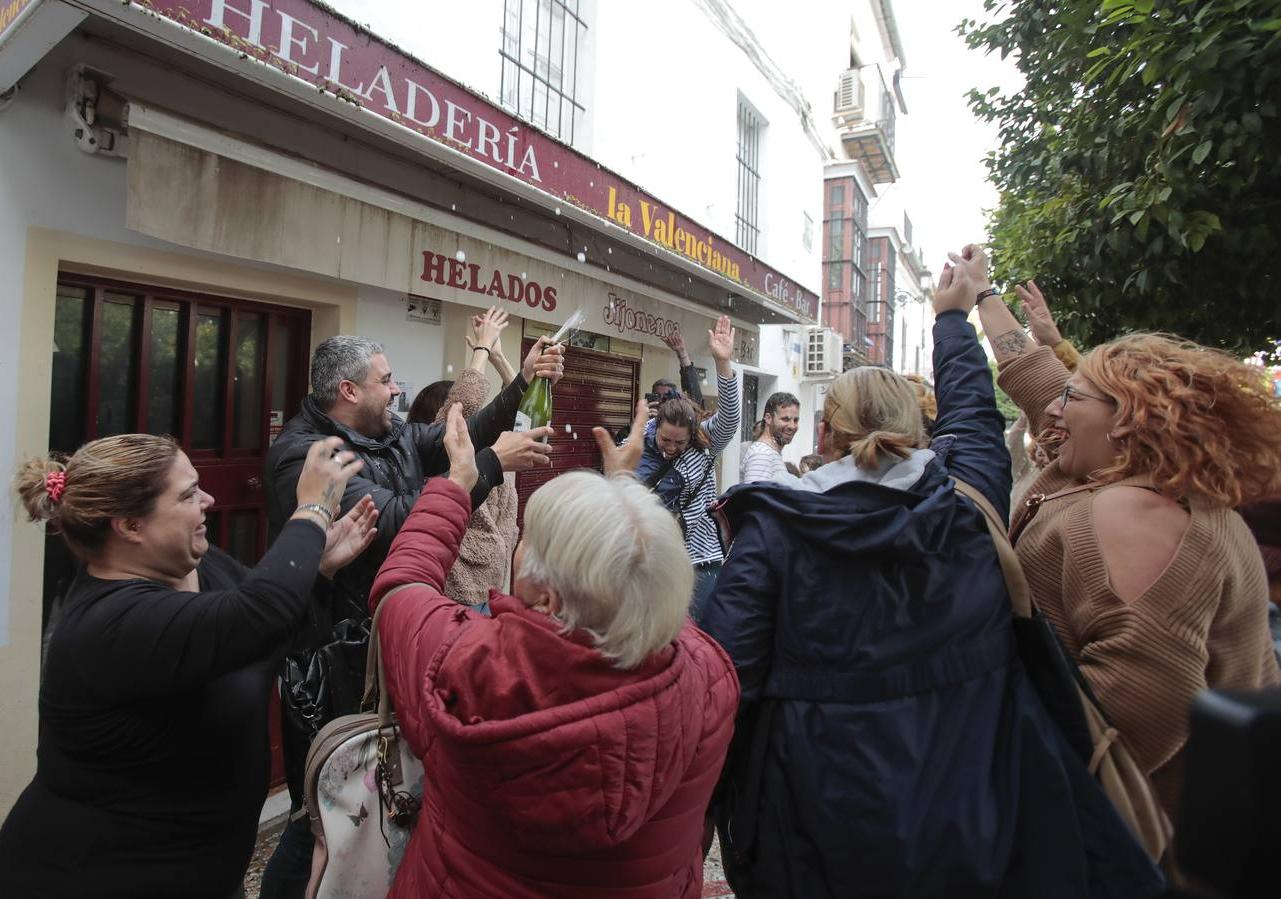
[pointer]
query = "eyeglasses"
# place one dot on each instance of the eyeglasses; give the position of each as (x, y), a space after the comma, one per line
(1070, 392)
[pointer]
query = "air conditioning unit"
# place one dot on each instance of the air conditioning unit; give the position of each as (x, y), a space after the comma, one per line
(823, 355)
(849, 93)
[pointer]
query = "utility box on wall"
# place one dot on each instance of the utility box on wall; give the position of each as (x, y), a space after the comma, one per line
(823, 356)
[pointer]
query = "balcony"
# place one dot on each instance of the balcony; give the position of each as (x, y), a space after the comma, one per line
(872, 143)
(864, 114)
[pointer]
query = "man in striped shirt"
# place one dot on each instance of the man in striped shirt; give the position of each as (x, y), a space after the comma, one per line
(763, 460)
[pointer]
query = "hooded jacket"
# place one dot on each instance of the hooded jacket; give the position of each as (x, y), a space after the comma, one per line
(890, 742)
(551, 773)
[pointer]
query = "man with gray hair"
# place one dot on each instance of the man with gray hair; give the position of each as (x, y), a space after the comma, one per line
(352, 392)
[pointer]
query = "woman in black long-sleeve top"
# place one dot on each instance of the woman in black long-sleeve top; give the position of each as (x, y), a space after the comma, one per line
(153, 759)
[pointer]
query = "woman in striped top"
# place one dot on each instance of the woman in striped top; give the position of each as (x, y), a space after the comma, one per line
(680, 457)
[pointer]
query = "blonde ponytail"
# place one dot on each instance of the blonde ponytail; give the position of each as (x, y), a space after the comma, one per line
(873, 414)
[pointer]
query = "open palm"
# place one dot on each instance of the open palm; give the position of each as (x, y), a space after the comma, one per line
(1039, 319)
(349, 536)
(720, 340)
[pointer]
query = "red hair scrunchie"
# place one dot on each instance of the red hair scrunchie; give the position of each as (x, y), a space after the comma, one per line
(55, 483)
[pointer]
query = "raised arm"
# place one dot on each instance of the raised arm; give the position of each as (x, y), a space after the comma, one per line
(490, 427)
(486, 345)
(723, 426)
(689, 373)
(969, 431)
(418, 617)
(1004, 333)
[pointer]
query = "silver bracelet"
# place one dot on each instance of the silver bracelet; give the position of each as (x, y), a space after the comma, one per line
(323, 511)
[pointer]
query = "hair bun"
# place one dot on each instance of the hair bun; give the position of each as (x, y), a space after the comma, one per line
(40, 484)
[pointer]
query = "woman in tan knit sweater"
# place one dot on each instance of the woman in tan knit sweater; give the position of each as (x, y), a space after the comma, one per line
(1129, 538)
(486, 550)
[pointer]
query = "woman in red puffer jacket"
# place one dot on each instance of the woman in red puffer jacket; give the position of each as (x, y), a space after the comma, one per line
(570, 742)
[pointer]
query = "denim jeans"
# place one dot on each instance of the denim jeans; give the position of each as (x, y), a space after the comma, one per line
(705, 575)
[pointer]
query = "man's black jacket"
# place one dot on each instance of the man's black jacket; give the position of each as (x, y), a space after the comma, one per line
(395, 467)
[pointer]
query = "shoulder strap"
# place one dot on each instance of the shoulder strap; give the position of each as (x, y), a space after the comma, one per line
(652, 481)
(707, 470)
(1015, 581)
(375, 679)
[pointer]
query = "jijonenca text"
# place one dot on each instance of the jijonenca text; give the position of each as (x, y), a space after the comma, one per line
(620, 316)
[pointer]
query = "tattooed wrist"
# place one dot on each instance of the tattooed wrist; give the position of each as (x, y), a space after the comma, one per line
(1011, 343)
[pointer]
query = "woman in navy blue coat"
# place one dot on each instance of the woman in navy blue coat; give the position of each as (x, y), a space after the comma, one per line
(889, 740)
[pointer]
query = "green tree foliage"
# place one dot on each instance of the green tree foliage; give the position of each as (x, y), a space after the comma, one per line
(1004, 404)
(1140, 165)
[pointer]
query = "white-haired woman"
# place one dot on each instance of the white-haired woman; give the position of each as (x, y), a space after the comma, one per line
(574, 738)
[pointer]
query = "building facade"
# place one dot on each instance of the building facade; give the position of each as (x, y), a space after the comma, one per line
(876, 287)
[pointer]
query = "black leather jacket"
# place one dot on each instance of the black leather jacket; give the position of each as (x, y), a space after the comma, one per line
(395, 468)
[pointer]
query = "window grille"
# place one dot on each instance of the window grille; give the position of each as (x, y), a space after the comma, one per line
(540, 55)
(746, 218)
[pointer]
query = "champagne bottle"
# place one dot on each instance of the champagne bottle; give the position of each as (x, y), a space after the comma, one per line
(535, 409)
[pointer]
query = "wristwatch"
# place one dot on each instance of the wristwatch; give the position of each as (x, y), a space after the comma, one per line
(984, 294)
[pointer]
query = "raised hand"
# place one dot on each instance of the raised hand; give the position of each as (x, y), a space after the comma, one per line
(676, 342)
(349, 537)
(961, 280)
(544, 361)
(487, 328)
(325, 473)
(624, 458)
(1039, 320)
(462, 455)
(720, 340)
(527, 449)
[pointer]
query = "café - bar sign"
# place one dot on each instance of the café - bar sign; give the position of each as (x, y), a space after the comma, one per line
(310, 42)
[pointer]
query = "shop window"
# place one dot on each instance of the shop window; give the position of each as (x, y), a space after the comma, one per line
(540, 52)
(747, 214)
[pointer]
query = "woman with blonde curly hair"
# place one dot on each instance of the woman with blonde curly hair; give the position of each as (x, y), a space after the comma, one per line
(1129, 536)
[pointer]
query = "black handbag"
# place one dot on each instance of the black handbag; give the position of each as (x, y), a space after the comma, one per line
(318, 685)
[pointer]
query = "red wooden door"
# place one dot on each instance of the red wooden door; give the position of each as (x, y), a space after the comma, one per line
(214, 373)
(597, 389)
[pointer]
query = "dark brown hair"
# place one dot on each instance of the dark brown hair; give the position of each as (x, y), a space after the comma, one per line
(115, 477)
(681, 412)
(429, 401)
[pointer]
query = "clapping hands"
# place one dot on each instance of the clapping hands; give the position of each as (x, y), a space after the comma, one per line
(963, 278)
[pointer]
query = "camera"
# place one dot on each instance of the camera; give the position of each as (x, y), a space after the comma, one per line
(653, 397)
